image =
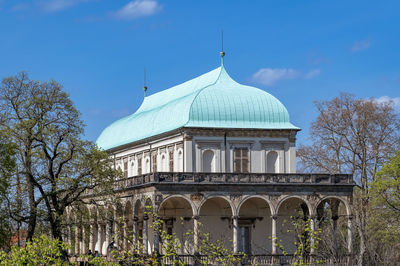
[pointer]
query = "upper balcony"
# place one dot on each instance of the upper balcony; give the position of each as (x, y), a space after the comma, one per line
(233, 178)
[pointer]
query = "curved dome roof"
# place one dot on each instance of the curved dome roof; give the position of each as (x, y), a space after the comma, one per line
(212, 100)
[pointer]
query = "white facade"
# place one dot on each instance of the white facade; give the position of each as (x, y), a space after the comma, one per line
(215, 154)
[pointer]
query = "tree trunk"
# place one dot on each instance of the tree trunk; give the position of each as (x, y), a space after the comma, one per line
(31, 191)
(32, 210)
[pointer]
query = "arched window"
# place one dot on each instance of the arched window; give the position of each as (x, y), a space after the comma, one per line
(272, 162)
(180, 161)
(208, 161)
(163, 163)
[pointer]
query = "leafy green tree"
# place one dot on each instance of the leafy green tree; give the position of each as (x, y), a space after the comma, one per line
(56, 165)
(7, 170)
(386, 187)
(385, 221)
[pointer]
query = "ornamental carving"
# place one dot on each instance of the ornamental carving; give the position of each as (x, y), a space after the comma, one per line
(158, 199)
(313, 198)
(196, 197)
(273, 199)
(235, 197)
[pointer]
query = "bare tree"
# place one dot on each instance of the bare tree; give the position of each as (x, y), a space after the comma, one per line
(353, 136)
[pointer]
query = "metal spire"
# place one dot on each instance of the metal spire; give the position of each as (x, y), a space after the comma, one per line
(222, 53)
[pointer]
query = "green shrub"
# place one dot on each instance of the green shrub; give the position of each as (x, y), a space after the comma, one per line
(40, 251)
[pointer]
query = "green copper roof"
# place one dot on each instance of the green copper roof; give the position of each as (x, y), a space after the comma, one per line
(211, 100)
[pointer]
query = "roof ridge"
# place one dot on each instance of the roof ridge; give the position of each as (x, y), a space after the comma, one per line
(199, 91)
(139, 111)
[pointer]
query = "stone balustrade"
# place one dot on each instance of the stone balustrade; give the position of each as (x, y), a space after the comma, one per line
(233, 178)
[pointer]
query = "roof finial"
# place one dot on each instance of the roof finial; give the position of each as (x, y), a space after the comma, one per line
(222, 53)
(144, 82)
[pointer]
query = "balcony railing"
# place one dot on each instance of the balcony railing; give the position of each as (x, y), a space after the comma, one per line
(262, 260)
(255, 260)
(233, 178)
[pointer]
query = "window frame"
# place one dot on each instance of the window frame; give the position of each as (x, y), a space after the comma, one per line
(239, 160)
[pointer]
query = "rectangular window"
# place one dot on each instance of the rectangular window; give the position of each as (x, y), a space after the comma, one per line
(139, 166)
(244, 239)
(171, 161)
(241, 160)
(126, 167)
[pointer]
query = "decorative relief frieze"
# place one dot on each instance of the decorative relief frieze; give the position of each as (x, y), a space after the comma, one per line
(260, 133)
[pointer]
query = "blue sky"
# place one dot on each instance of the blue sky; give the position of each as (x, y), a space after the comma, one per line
(299, 51)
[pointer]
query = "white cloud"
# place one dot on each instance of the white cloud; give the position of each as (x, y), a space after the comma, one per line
(270, 76)
(312, 73)
(361, 45)
(58, 5)
(138, 8)
(386, 99)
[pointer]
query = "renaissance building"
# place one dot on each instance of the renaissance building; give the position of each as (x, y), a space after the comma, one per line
(214, 156)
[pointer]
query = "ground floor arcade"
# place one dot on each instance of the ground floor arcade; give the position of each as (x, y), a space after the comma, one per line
(241, 221)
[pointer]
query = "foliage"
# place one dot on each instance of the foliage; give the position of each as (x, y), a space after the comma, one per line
(306, 240)
(40, 251)
(55, 166)
(7, 169)
(386, 187)
(385, 221)
(7, 164)
(169, 246)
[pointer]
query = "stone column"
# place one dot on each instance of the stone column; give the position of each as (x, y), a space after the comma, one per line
(235, 234)
(116, 231)
(91, 236)
(125, 236)
(273, 231)
(312, 239)
(70, 237)
(100, 238)
(156, 236)
(76, 239)
(108, 236)
(145, 235)
(350, 234)
(134, 233)
(83, 240)
(196, 233)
